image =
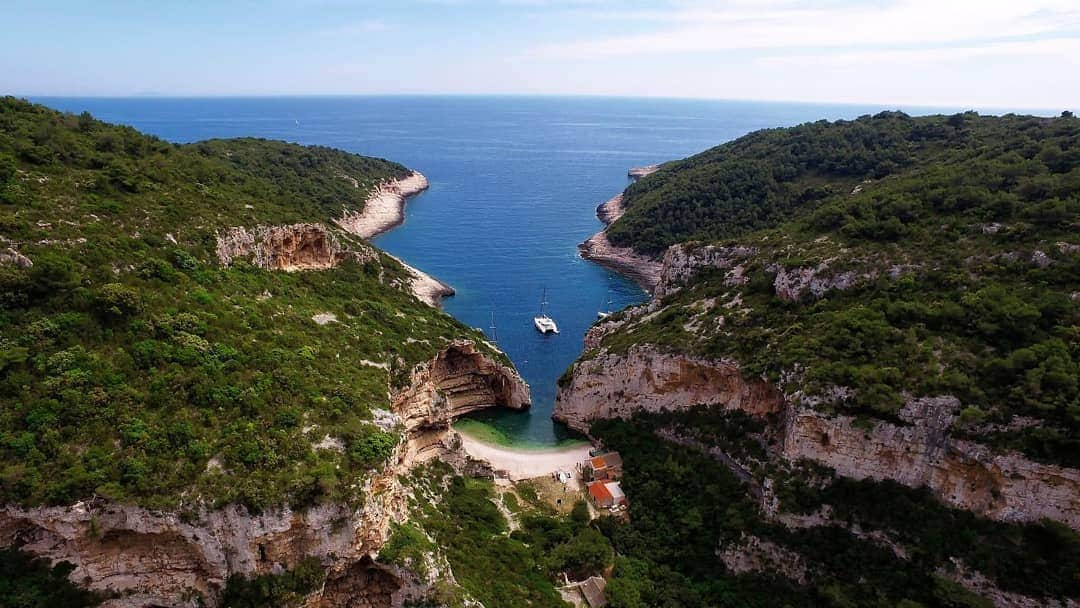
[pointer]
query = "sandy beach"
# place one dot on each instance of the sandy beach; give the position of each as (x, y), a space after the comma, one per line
(522, 464)
(385, 208)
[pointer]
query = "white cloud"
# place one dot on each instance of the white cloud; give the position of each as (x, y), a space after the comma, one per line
(716, 26)
(1054, 48)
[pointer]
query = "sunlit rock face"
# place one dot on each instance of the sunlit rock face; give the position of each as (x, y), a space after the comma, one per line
(917, 452)
(290, 248)
(650, 380)
(460, 380)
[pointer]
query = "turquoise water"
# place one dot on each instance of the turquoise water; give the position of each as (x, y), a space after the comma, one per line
(514, 185)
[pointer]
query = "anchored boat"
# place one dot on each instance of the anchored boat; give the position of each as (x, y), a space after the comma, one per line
(607, 312)
(545, 324)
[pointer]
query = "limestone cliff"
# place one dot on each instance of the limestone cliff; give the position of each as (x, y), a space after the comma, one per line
(155, 558)
(646, 379)
(682, 262)
(290, 248)
(460, 380)
(920, 453)
(963, 474)
(917, 451)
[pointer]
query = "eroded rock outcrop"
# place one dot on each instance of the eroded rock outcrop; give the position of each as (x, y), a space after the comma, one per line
(684, 261)
(163, 559)
(290, 248)
(920, 452)
(12, 257)
(796, 284)
(647, 379)
(960, 473)
(461, 379)
(156, 558)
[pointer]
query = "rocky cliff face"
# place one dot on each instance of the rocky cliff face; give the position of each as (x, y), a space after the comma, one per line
(682, 262)
(962, 474)
(160, 559)
(289, 248)
(918, 453)
(460, 380)
(646, 379)
(152, 558)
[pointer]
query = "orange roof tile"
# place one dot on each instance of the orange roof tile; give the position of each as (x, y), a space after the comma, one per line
(599, 491)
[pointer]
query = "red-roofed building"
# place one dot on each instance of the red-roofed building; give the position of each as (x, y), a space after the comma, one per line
(600, 494)
(603, 467)
(606, 494)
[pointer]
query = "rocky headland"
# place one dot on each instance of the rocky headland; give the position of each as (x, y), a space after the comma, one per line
(642, 269)
(384, 208)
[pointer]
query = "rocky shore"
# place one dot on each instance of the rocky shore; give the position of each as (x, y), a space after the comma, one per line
(640, 172)
(642, 269)
(385, 208)
(425, 287)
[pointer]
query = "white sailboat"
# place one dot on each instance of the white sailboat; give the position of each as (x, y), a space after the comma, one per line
(545, 324)
(607, 312)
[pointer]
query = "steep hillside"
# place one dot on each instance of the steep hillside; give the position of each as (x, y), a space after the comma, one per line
(202, 377)
(890, 300)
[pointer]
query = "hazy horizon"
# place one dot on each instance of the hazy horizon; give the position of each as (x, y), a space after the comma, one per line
(914, 109)
(994, 54)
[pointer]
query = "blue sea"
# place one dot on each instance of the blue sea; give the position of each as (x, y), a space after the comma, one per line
(514, 186)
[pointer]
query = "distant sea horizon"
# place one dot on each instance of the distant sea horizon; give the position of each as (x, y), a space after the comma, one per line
(515, 181)
(915, 109)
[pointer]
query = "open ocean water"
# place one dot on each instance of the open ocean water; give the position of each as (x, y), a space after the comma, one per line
(514, 186)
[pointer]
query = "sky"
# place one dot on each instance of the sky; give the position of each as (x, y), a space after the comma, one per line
(956, 53)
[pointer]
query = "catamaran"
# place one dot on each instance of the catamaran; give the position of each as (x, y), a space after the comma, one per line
(545, 324)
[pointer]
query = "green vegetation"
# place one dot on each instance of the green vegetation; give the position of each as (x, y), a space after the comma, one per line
(285, 590)
(30, 583)
(962, 254)
(995, 169)
(492, 564)
(133, 366)
(684, 504)
(406, 547)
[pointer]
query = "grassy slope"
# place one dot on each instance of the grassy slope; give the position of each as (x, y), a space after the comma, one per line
(972, 315)
(138, 369)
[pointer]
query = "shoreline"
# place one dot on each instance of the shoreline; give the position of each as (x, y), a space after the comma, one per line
(520, 464)
(643, 270)
(384, 209)
(425, 287)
